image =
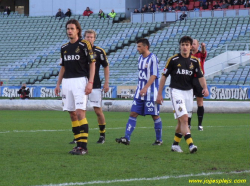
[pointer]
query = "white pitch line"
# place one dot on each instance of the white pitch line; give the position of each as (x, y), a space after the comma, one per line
(145, 179)
(117, 128)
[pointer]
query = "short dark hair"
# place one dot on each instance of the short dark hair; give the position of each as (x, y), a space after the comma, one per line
(78, 26)
(144, 42)
(186, 39)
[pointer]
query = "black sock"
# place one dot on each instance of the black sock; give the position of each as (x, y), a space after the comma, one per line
(189, 121)
(102, 129)
(200, 113)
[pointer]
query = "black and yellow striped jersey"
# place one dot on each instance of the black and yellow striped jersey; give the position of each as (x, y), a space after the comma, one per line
(76, 57)
(182, 71)
(101, 59)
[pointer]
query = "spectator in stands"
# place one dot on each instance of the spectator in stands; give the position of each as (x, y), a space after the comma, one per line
(112, 14)
(87, 12)
(205, 6)
(224, 5)
(165, 9)
(170, 2)
(101, 14)
(178, 7)
(157, 10)
(143, 10)
(216, 6)
(186, 2)
(152, 5)
(184, 8)
(235, 2)
(170, 8)
(60, 14)
(241, 2)
(24, 92)
(136, 11)
(183, 16)
(7, 10)
(163, 4)
(247, 5)
(152, 10)
(68, 13)
(149, 8)
(158, 3)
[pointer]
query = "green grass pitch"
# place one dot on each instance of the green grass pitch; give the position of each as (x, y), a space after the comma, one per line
(35, 144)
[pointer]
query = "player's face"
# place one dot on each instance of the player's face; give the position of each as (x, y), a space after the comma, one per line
(90, 37)
(185, 48)
(141, 48)
(195, 45)
(72, 31)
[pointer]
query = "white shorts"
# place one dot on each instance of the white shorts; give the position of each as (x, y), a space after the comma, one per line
(182, 102)
(73, 93)
(95, 98)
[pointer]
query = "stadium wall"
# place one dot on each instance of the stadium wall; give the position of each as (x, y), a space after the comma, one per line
(124, 106)
(50, 7)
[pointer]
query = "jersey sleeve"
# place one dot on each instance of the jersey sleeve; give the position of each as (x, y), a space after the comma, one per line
(168, 68)
(204, 55)
(154, 66)
(104, 59)
(198, 70)
(89, 53)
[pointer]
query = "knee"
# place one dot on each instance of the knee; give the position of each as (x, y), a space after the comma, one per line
(133, 114)
(98, 112)
(73, 116)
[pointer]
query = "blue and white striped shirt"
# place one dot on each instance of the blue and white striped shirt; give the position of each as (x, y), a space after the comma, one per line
(147, 67)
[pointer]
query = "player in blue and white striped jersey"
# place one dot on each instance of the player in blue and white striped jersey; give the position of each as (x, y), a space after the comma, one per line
(146, 93)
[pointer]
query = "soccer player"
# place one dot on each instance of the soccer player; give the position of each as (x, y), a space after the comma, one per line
(201, 55)
(182, 68)
(77, 63)
(145, 95)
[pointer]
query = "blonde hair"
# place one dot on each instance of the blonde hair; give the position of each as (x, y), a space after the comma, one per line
(89, 31)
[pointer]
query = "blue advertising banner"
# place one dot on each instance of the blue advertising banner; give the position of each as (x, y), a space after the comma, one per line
(45, 91)
(220, 92)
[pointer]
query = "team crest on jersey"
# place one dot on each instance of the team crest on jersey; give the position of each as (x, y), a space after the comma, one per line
(77, 50)
(179, 65)
(180, 109)
(65, 52)
(191, 66)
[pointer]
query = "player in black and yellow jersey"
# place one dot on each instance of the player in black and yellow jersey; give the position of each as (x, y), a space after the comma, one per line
(95, 98)
(77, 65)
(182, 68)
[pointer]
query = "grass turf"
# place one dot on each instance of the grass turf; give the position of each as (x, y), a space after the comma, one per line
(34, 150)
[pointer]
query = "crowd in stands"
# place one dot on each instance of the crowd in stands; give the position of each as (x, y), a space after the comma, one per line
(185, 5)
(86, 12)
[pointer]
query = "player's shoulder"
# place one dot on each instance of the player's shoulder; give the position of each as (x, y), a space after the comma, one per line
(84, 42)
(194, 59)
(99, 49)
(64, 45)
(174, 57)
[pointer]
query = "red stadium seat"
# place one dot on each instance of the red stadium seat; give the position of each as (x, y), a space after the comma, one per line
(236, 6)
(190, 7)
(197, 4)
(214, 3)
(242, 6)
(230, 7)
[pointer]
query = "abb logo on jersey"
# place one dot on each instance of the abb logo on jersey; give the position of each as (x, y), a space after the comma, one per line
(142, 75)
(183, 71)
(71, 57)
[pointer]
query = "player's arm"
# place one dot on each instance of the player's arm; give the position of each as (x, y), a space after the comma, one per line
(202, 79)
(60, 77)
(203, 48)
(159, 98)
(92, 61)
(106, 83)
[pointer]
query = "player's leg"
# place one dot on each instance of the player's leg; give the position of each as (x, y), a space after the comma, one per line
(80, 101)
(136, 109)
(200, 112)
(177, 138)
(101, 123)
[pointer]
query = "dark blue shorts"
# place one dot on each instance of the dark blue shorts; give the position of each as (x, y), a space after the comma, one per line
(143, 107)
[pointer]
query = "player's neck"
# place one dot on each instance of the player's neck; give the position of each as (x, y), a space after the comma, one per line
(146, 54)
(73, 40)
(185, 55)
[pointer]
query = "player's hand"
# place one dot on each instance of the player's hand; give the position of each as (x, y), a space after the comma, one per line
(205, 92)
(159, 99)
(57, 90)
(106, 87)
(88, 88)
(203, 44)
(143, 92)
